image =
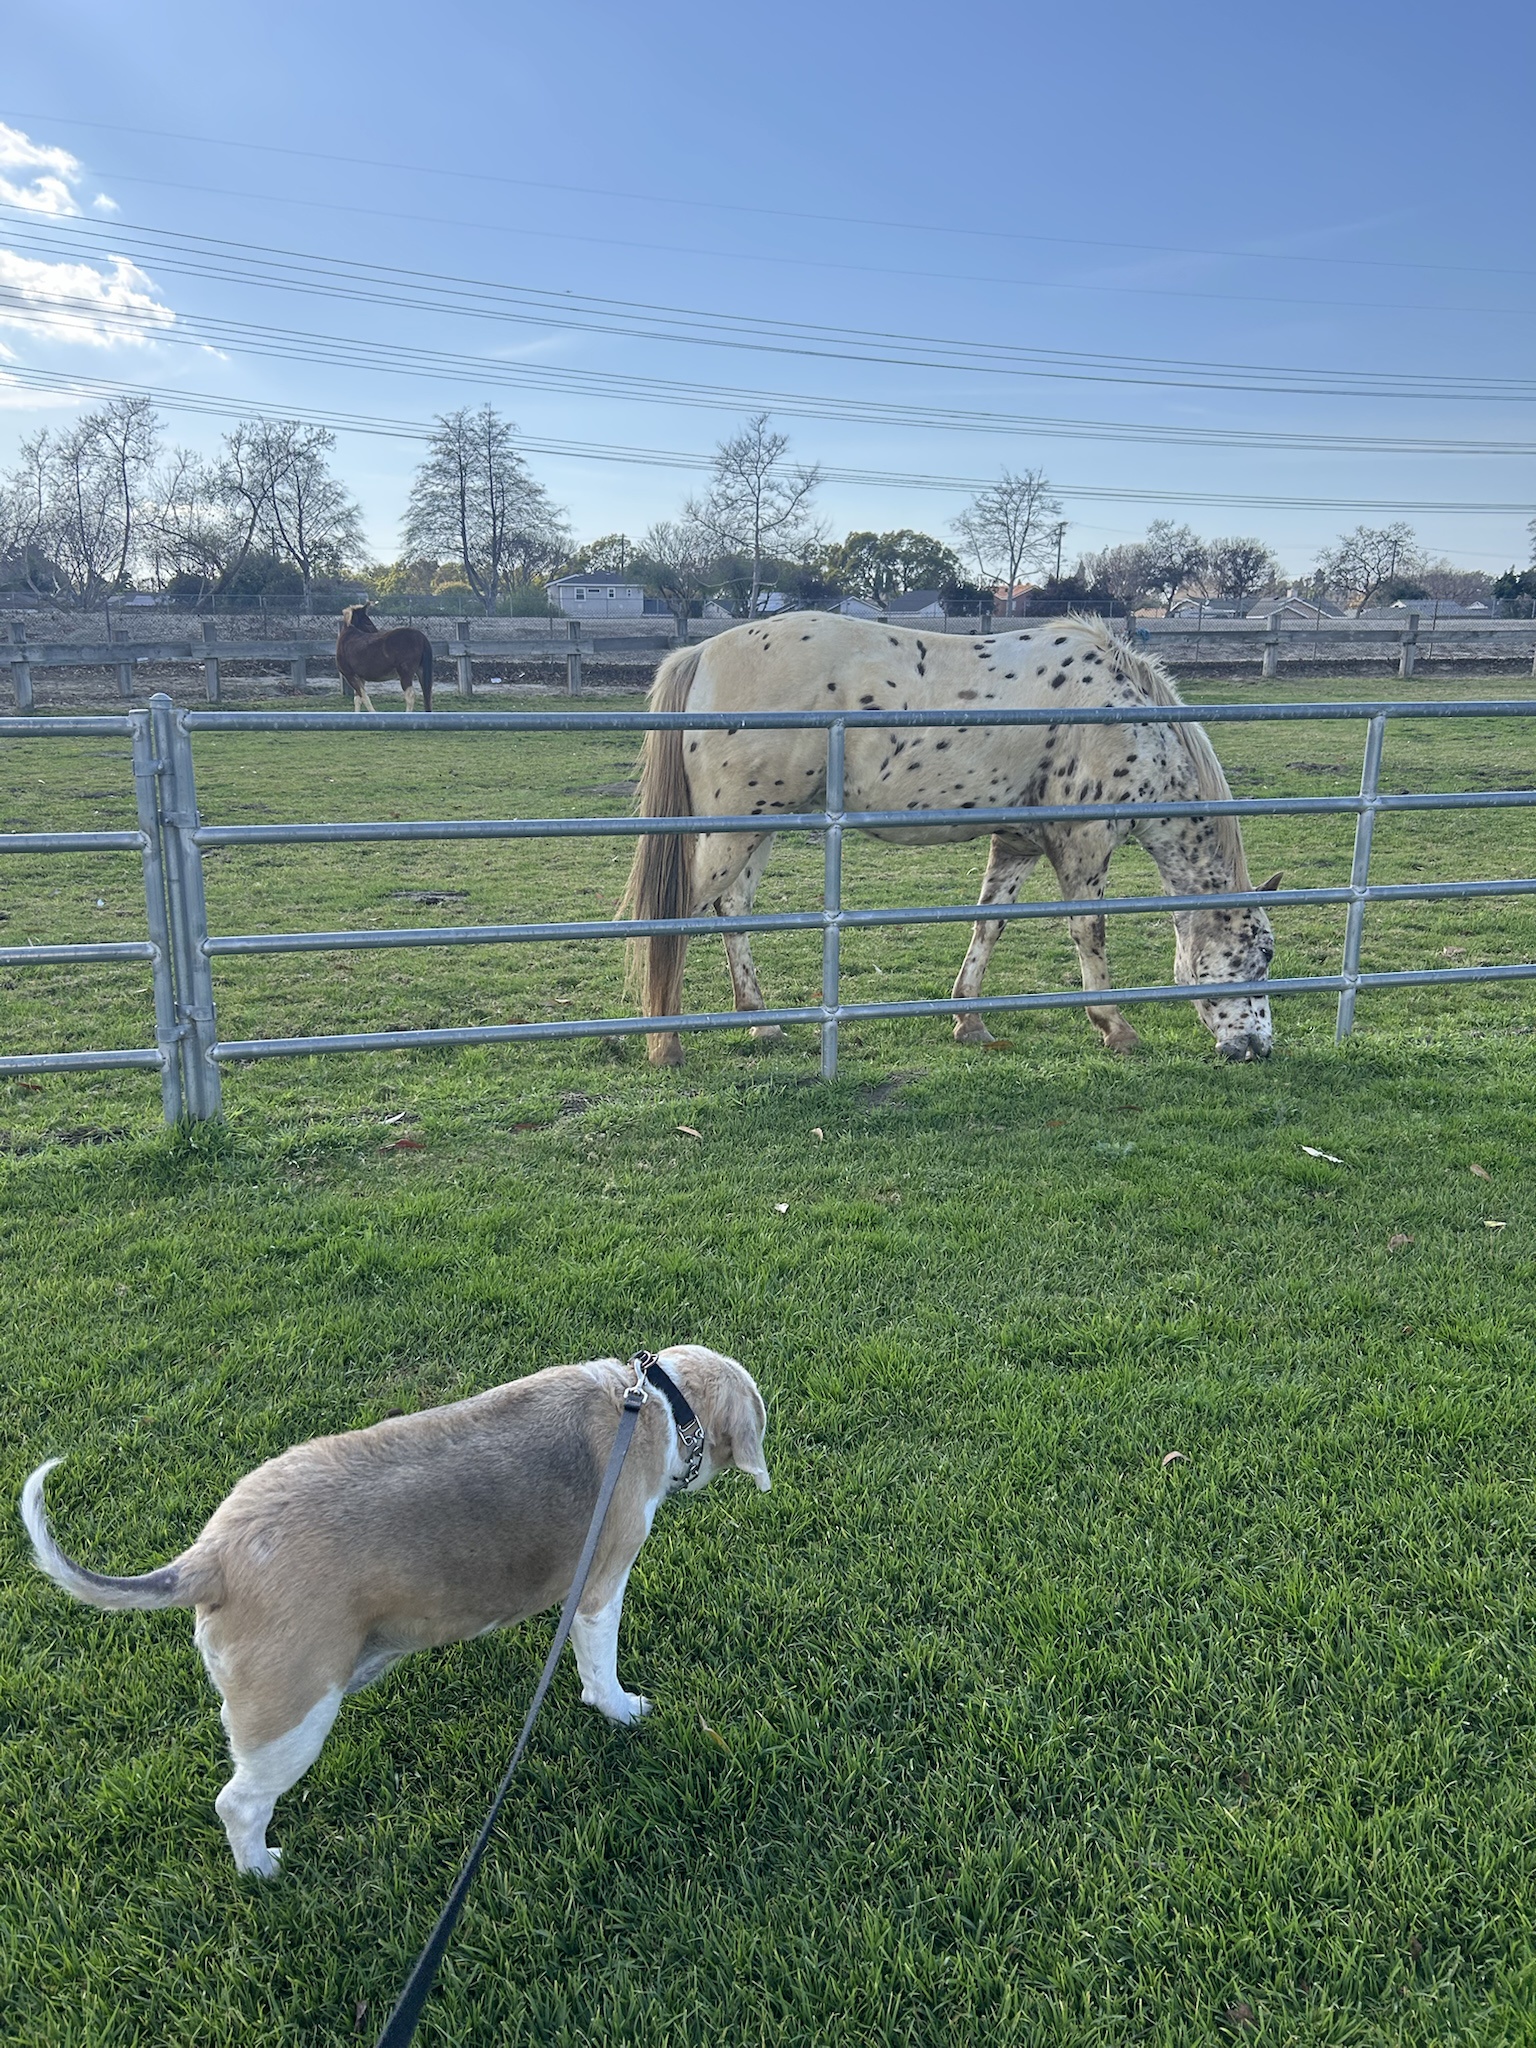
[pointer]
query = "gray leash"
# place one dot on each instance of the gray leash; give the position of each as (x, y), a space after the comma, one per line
(400, 2027)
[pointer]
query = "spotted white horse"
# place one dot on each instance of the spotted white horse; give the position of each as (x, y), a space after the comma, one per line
(809, 661)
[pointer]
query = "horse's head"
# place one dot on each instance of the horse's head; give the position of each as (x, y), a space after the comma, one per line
(1236, 944)
(356, 615)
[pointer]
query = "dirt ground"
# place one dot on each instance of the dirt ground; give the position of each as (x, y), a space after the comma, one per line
(245, 684)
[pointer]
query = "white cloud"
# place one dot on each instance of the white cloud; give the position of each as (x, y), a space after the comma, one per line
(18, 152)
(53, 172)
(77, 302)
(41, 195)
(103, 204)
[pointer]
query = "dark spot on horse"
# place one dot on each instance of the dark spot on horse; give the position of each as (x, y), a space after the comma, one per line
(966, 696)
(921, 670)
(922, 652)
(893, 640)
(866, 700)
(831, 686)
(1060, 640)
(1065, 659)
(693, 746)
(940, 745)
(805, 636)
(1057, 681)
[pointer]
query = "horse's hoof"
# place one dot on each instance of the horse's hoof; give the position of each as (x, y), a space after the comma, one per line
(1121, 1041)
(667, 1050)
(971, 1031)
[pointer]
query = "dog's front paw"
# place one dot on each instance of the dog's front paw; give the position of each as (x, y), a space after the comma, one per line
(260, 1861)
(624, 1708)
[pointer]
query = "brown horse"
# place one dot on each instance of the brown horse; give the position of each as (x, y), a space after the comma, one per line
(364, 655)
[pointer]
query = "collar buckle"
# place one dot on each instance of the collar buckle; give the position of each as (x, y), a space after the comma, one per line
(652, 1376)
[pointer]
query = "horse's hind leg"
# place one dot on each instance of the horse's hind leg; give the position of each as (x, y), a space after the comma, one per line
(736, 901)
(408, 685)
(1008, 869)
(1081, 860)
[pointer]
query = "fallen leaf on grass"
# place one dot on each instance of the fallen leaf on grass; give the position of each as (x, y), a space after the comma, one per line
(1175, 1458)
(399, 1119)
(406, 1145)
(359, 2015)
(688, 1131)
(714, 1735)
(997, 1045)
(1332, 1158)
(1489, 1224)
(1240, 2016)
(28, 1087)
(1452, 952)
(781, 1208)
(818, 1134)
(1481, 1171)
(1397, 1240)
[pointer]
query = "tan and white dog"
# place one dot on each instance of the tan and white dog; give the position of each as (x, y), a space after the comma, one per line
(332, 1561)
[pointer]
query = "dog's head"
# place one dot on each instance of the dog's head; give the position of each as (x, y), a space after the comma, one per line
(725, 1398)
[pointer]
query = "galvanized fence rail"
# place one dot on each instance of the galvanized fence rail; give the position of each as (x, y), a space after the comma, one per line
(171, 839)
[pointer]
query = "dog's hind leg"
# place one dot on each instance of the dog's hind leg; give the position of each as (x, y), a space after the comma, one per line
(264, 1771)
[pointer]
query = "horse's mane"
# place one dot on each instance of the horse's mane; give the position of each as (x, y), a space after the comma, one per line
(1148, 675)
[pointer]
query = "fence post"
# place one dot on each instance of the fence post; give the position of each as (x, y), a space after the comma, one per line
(1359, 875)
(1410, 649)
(168, 1031)
(832, 900)
(21, 668)
(465, 661)
(298, 672)
(211, 663)
(573, 660)
(1272, 646)
(187, 913)
(125, 681)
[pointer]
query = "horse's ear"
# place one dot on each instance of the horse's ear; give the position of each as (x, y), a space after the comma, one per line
(1274, 881)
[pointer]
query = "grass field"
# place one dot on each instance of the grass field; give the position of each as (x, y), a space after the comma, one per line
(985, 1724)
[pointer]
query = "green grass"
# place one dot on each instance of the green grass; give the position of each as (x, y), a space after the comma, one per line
(985, 1724)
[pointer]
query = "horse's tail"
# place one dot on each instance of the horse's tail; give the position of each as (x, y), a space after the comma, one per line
(186, 1581)
(1155, 683)
(426, 673)
(660, 878)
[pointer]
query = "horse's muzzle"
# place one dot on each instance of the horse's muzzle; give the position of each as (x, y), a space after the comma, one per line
(1244, 1045)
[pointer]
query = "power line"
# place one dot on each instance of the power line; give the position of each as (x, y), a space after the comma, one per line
(398, 359)
(842, 265)
(333, 276)
(210, 405)
(949, 229)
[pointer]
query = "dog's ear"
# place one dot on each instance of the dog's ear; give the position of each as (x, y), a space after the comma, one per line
(1274, 881)
(748, 1419)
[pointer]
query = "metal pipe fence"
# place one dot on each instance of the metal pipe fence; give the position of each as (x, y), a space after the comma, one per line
(171, 838)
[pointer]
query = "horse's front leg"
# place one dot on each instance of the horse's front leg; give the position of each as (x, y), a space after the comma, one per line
(736, 901)
(1081, 861)
(1008, 868)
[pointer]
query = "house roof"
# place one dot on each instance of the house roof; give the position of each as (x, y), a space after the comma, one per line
(913, 601)
(614, 576)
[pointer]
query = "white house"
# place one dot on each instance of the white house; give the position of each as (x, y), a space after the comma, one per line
(916, 604)
(599, 596)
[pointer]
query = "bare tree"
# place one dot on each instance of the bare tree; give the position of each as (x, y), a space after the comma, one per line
(191, 527)
(1359, 563)
(474, 500)
(1124, 572)
(755, 506)
(77, 496)
(674, 558)
(1239, 566)
(24, 520)
(307, 515)
(1011, 526)
(1175, 556)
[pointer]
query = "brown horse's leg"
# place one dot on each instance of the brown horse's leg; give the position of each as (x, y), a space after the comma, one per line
(408, 685)
(1008, 867)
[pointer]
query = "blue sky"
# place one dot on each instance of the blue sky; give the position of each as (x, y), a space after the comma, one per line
(1340, 191)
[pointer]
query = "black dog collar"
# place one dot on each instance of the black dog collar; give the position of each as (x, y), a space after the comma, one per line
(647, 1367)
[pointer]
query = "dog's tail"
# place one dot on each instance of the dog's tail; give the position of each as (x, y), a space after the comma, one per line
(186, 1581)
(661, 878)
